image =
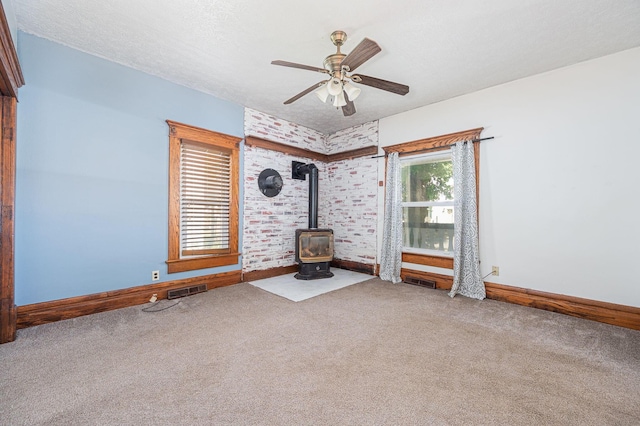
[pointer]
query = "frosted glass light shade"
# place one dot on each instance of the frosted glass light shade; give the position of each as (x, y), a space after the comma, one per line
(352, 91)
(339, 100)
(334, 86)
(322, 92)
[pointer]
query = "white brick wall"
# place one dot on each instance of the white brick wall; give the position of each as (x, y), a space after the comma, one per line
(270, 223)
(347, 194)
(352, 195)
(352, 199)
(272, 128)
(352, 138)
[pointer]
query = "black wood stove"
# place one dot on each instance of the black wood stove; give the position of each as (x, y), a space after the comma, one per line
(314, 247)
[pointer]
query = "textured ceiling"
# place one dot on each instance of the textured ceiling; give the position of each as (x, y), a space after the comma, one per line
(440, 48)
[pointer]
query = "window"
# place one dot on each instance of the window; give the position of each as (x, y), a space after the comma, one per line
(427, 203)
(430, 244)
(203, 198)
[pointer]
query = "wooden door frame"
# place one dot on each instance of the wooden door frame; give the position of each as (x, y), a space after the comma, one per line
(10, 80)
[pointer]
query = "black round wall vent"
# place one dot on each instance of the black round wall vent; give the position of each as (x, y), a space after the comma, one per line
(270, 182)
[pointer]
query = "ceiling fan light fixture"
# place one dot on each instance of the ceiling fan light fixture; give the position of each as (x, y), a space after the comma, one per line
(352, 90)
(334, 86)
(339, 89)
(322, 92)
(339, 100)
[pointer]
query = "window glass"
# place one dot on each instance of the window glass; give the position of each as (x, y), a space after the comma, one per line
(427, 203)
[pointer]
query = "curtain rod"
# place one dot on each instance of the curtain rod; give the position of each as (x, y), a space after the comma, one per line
(437, 147)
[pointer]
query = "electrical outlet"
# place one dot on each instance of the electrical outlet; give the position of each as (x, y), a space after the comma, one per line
(155, 275)
(153, 298)
(495, 270)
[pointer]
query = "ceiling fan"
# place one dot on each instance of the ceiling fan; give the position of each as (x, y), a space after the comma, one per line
(339, 67)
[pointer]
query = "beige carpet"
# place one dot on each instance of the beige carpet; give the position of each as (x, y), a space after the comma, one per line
(372, 353)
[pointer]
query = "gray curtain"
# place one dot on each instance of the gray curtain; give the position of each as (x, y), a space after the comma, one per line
(391, 259)
(467, 280)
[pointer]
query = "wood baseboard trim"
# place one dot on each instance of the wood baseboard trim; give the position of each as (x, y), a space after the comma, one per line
(608, 313)
(268, 273)
(57, 310)
(354, 266)
(8, 318)
(594, 310)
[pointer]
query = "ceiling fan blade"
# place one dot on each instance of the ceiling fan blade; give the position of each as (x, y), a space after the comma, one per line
(350, 107)
(304, 92)
(378, 83)
(361, 54)
(302, 67)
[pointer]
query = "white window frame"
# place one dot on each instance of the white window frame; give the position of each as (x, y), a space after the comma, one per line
(417, 159)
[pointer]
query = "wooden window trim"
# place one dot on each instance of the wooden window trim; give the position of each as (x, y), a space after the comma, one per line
(434, 144)
(8, 310)
(428, 260)
(11, 80)
(178, 132)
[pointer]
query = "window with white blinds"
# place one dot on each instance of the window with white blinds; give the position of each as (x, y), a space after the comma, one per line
(205, 179)
(204, 184)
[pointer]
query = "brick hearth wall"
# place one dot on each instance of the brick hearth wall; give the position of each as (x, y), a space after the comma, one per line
(270, 223)
(347, 194)
(352, 195)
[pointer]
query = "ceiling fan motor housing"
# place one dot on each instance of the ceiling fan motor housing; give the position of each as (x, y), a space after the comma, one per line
(332, 64)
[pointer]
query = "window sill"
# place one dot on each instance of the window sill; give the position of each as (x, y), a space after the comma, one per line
(190, 264)
(428, 260)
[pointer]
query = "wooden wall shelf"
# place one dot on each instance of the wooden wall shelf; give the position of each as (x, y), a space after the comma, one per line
(306, 153)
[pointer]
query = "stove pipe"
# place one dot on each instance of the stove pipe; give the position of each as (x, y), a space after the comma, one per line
(298, 172)
(313, 197)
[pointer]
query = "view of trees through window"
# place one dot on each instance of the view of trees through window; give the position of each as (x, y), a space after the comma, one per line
(427, 200)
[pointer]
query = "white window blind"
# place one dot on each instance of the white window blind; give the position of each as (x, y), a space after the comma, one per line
(205, 192)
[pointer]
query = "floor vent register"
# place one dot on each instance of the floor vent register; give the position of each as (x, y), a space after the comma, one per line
(186, 291)
(420, 282)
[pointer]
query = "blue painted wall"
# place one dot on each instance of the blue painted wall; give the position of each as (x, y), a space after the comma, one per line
(92, 171)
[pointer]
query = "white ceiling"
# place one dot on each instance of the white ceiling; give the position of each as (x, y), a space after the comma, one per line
(440, 48)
